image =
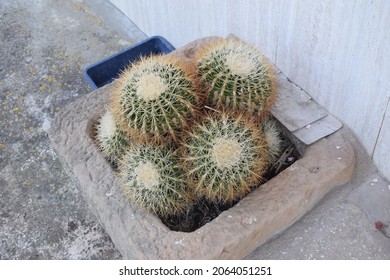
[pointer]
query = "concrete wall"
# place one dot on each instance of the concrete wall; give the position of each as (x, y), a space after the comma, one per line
(337, 51)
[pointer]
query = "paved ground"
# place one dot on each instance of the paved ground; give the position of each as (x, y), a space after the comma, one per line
(44, 46)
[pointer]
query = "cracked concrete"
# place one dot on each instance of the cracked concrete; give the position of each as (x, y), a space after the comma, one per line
(44, 47)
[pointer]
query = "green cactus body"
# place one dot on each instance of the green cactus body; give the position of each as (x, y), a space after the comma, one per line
(155, 98)
(152, 179)
(111, 140)
(235, 76)
(224, 156)
(273, 139)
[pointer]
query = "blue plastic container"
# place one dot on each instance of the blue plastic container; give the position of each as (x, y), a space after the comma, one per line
(108, 69)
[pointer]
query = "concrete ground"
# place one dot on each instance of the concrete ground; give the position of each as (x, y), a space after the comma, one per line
(44, 47)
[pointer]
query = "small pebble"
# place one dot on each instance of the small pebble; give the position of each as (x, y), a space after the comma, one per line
(379, 225)
(338, 147)
(308, 126)
(375, 180)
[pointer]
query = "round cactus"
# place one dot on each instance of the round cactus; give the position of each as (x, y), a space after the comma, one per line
(273, 139)
(152, 179)
(235, 76)
(155, 98)
(111, 140)
(224, 156)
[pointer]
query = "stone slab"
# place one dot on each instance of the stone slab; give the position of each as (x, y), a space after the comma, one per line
(265, 212)
(318, 129)
(294, 107)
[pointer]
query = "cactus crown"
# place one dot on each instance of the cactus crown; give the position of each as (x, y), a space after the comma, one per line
(111, 140)
(236, 76)
(224, 156)
(152, 179)
(155, 98)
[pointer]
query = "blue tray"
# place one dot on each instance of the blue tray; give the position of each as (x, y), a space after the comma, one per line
(108, 69)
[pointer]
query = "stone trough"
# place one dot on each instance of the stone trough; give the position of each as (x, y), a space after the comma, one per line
(327, 161)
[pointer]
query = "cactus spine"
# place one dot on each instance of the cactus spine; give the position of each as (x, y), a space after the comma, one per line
(155, 98)
(111, 140)
(153, 180)
(273, 139)
(224, 156)
(235, 76)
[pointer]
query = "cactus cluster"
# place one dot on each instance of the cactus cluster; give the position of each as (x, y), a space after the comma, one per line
(236, 76)
(180, 150)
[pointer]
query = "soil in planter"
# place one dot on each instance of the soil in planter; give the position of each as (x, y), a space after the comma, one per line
(204, 211)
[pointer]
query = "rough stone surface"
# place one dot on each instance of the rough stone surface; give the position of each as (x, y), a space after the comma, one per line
(236, 232)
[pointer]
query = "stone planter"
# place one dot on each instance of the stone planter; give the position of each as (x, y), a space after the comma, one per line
(270, 209)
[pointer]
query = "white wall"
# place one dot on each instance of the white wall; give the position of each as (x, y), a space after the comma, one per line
(337, 51)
